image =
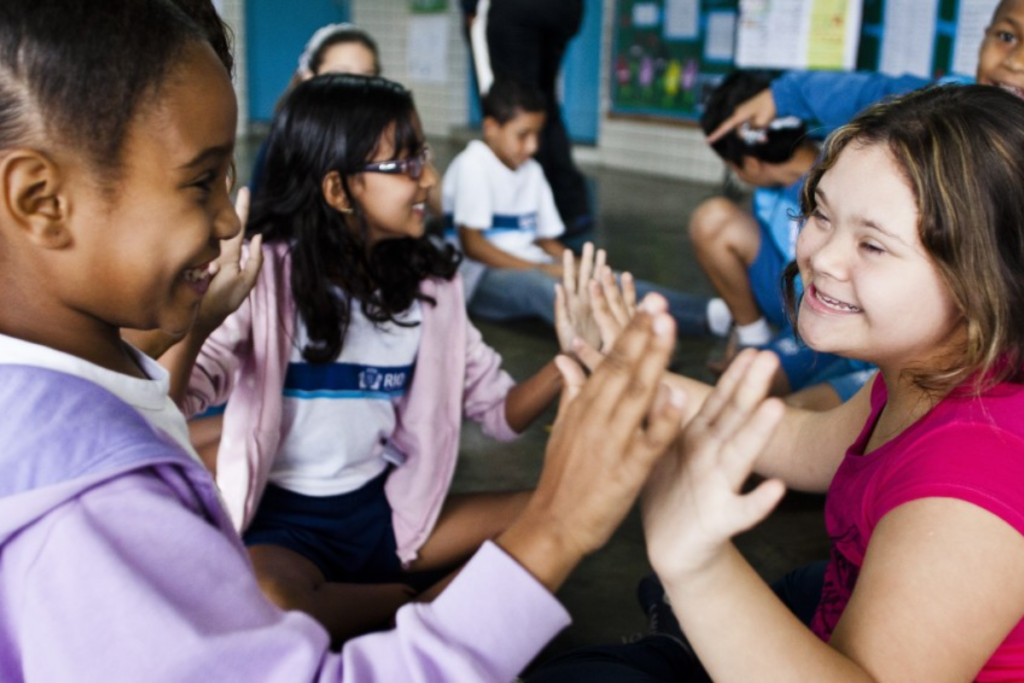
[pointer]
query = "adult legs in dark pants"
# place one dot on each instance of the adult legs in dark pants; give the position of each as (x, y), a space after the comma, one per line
(664, 658)
(526, 39)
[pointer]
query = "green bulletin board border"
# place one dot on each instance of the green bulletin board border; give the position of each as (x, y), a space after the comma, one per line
(659, 77)
(654, 77)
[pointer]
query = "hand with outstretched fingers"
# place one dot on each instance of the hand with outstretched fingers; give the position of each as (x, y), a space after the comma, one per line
(612, 306)
(693, 503)
(232, 280)
(758, 111)
(573, 317)
(610, 431)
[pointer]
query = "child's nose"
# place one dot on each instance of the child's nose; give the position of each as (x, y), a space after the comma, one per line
(831, 256)
(226, 224)
(1015, 58)
(429, 176)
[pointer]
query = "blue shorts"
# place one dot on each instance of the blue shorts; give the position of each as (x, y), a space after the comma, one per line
(349, 537)
(765, 275)
(805, 367)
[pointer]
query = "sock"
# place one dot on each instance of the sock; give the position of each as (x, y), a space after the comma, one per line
(719, 318)
(756, 333)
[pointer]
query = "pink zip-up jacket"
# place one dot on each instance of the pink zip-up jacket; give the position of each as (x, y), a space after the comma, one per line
(244, 363)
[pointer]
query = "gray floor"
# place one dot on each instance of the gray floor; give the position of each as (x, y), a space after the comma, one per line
(641, 222)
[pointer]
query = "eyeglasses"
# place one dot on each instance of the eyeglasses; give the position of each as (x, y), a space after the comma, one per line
(410, 166)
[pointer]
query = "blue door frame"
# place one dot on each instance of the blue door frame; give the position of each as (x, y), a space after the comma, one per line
(276, 32)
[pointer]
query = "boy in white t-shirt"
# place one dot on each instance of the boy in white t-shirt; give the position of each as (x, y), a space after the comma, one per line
(499, 204)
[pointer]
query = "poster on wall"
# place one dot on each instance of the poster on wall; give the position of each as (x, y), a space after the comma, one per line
(798, 34)
(668, 54)
(427, 53)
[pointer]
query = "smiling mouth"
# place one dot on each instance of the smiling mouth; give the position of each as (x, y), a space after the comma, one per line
(834, 304)
(1012, 89)
(199, 276)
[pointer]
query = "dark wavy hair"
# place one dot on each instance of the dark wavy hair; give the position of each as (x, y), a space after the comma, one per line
(331, 123)
(959, 148)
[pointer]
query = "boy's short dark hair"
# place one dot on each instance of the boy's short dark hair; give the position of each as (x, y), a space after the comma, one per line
(509, 96)
(777, 146)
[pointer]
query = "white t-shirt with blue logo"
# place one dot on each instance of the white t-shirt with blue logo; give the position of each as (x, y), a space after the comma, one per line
(338, 418)
(512, 208)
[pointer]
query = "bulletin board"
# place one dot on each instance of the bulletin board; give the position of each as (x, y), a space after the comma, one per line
(669, 54)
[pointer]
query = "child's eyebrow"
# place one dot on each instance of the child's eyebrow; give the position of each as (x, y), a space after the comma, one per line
(860, 220)
(209, 154)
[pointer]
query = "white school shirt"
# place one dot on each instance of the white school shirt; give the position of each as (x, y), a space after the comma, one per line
(150, 397)
(337, 418)
(512, 208)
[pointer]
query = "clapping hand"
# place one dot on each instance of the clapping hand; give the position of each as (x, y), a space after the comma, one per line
(693, 503)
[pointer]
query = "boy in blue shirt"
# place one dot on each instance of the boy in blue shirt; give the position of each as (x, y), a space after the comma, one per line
(745, 254)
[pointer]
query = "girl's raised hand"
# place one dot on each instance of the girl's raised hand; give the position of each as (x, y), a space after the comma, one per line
(758, 111)
(612, 307)
(693, 503)
(609, 433)
(573, 315)
(232, 281)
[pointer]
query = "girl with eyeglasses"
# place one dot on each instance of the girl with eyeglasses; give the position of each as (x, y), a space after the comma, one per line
(349, 368)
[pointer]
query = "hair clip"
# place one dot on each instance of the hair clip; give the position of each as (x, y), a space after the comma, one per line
(753, 137)
(320, 37)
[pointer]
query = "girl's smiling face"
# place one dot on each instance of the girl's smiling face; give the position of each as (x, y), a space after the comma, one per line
(143, 250)
(393, 204)
(871, 291)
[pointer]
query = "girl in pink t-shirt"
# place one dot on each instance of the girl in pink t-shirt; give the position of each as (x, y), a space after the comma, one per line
(911, 258)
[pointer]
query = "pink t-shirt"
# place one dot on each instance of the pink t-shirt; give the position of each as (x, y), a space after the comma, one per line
(966, 448)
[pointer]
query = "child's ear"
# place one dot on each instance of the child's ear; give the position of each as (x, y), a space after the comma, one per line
(32, 199)
(489, 126)
(334, 193)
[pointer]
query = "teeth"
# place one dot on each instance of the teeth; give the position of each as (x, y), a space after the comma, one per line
(198, 274)
(835, 303)
(1012, 89)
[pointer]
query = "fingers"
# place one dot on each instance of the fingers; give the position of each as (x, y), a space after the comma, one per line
(255, 261)
(608, 325)
(629, 293)
(586, 268)
(749, 439)
(744, 390)
(724, 128)
(755, 506)
(588, 355)
(759, 111)
(569, 272)
(625, 383)
(573, 380)
(242, 205)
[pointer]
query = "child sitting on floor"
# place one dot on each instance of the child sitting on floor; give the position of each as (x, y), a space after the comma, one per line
(119, 563)
(496, 199)
(744, 254)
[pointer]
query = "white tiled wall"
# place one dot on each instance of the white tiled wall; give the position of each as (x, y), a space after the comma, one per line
(645, 146)
(233, 13)
(442, 106)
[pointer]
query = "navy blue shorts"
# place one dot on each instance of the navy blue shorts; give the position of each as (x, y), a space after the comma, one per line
(349, 537)
(765, 275)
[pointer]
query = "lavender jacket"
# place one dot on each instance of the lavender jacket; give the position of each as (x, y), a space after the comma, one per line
(120, 565)
(244, 363)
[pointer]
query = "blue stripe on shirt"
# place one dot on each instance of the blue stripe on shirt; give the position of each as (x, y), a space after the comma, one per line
(346, 380)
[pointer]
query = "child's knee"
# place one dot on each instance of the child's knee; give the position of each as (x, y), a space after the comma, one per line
(714, 219)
